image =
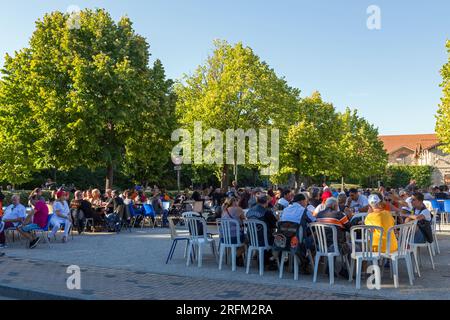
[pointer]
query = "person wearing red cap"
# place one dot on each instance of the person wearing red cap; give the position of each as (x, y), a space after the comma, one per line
(326, 194)
(61, 215)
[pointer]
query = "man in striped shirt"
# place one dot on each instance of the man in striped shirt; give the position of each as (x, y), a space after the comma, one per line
(332, 215)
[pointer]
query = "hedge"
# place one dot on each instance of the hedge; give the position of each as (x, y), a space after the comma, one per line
(399, 176)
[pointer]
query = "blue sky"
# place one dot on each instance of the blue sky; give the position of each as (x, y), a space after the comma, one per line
(390, 75)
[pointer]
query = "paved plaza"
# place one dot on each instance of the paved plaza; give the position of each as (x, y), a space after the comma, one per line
(132, 266)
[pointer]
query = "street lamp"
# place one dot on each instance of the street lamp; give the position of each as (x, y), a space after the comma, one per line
(177, 161)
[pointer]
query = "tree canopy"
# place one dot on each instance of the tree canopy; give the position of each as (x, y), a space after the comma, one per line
(85, 95)
(324, 142)
(234, 89)
(443, 114)
(82, 96)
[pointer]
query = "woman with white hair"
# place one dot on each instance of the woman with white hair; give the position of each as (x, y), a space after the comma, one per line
(61, 215)
(380, 217)
(342, 201)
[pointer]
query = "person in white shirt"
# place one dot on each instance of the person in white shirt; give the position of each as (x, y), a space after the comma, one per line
(285, 199)
(61, 215)
(423, 216)
(294, 213)
(406, 196)
(357, 202)
(14, 215)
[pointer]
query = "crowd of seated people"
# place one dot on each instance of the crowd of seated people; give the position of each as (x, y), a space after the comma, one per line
(65, 210)
(340, 208)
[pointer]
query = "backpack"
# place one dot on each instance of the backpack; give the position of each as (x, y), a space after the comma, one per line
(286, 236)
(425, 228)
(113, 222)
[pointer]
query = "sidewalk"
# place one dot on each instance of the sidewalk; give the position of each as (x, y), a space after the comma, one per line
(132, 266)
(32, 279)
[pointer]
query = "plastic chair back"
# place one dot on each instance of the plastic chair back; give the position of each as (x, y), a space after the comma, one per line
(446, 206)
(366, 233)
(435, 204)
(253, 226)
(193, 227)
(173, 230)
(405, 237)
(131, 210)
(229, 229)
(434, 223)
(190, 214)
(149, 211)
(319, 231)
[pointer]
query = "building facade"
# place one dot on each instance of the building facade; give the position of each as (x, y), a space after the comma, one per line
(421, 149)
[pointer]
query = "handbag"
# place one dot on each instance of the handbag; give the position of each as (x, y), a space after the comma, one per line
(425, 228)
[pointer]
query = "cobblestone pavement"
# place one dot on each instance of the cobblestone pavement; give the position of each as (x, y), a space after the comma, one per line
(132, 266)
(103, 283)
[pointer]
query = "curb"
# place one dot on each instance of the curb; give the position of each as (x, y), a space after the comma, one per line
(26, 294)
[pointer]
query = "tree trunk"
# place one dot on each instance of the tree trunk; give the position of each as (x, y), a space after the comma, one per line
(224, 181)
(297, 182)
(109, 176)
(342, 184)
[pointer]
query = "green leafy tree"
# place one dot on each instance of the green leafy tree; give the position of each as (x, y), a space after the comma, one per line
(234, 89)
(443, 115)
(18, 129)
(149, 149)
(310, 146)
(77, 97)
(360, 152)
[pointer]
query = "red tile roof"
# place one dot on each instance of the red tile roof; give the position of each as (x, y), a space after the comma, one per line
(414, 142)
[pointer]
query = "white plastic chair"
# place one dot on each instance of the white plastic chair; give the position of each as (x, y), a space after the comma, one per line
(365, 251)
(175, 237)
(197, 240)
(405, 238)
(12, 231)
(285, 255)
(430, 246)
(229, 230)
(252, 227)
(436, 249)
(320, 240)
(190, 214)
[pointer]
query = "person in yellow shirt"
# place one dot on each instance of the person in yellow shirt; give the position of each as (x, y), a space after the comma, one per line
(380, 217)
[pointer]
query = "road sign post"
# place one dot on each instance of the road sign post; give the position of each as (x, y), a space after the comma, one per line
(177, 161)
